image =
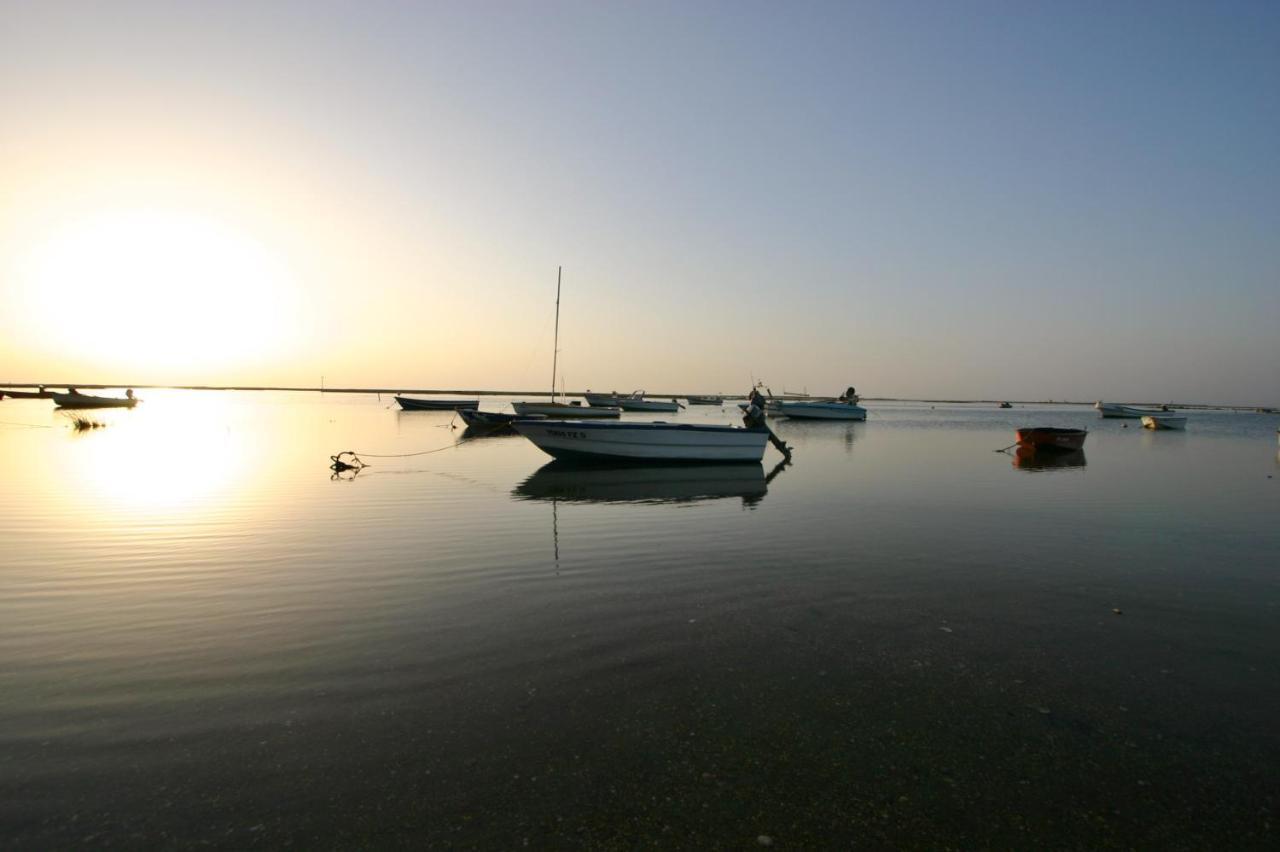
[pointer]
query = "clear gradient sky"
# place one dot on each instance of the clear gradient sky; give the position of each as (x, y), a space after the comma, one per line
(966, 200)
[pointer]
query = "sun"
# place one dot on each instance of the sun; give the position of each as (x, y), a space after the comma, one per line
(149, 289)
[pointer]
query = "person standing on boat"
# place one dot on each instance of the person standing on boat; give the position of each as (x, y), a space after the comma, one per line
(128, 392)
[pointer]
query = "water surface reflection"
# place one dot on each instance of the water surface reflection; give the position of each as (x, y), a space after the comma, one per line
(559, 480)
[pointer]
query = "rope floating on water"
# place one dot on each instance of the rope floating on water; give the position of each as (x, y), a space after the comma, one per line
(340, 464)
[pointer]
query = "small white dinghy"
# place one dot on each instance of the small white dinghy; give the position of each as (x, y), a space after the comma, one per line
(644, 442)
(1165, 421)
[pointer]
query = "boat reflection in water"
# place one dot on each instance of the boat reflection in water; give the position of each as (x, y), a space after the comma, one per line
(1026, 458)
(683, 483)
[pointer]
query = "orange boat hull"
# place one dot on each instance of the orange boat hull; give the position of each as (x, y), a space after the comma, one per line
(1062, 440)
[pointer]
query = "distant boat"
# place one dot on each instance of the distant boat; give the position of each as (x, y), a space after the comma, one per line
(475, 417)
(705, 400)
(1006, 405)
(1165, 421)
(1051, 438)
(562, 410)
(637, 402)
(822, 410)
(601, 400)
(15, 394)
(1115, 410)
(410, 403)
(570, 410)
(644, 442)
(84, 400)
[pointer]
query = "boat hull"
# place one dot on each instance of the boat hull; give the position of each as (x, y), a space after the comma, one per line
(1051, 439)
(644, 442)
(705, 400)
(78, 401)
(475, 417)
(409, 403)
(822, 411)
(13, 394)
(1112, 410)
(563, 411)
(1164, 421)
(647, 405)
(601, 400)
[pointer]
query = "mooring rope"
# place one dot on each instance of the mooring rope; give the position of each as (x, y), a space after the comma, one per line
(357, 463)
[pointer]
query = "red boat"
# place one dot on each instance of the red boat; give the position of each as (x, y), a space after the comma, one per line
(1051, 438)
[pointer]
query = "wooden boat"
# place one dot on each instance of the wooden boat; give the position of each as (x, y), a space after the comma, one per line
(476, 417)
(410, 403)
(17, 394)
(84, 400)
(705, 400)
(1115, 410)
(637, 402)
(1165, 421)
(564, 410)
(632, 483)
(822, 410)
(1050, 438)
(584, 441)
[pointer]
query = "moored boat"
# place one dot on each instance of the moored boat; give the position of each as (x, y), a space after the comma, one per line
(601, 400)
(1165, 421)
(84, 400)
(571, 410)
(1050, 438)
(412, 403)
(476, 417)
(637, 402)
(17, 394)
(822, 410)
(644, 442)
(705, 400)
(1115, 410)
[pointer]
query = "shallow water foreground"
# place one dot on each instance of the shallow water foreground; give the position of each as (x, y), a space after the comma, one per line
(902, 639)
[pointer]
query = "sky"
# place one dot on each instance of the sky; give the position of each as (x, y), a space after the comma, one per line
(1015, 200)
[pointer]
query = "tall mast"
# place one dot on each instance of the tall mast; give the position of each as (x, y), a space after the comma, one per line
(555, 349)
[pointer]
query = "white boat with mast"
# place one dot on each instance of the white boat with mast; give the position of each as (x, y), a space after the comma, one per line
(552, 408)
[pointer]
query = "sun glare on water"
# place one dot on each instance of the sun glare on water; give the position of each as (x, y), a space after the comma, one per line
(157, 290)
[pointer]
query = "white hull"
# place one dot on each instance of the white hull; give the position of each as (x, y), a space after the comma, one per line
(1111, 409)
(1164, 421)
(822, 411)
(562, 410)
(657, 442)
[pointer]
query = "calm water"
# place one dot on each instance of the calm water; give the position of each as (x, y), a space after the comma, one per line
(902, 639)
